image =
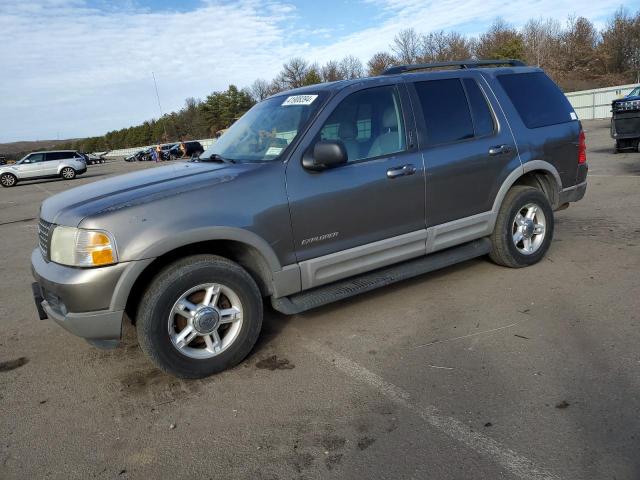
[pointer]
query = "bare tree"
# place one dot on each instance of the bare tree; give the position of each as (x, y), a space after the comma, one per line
(351, 67)
(406, 46)
(620, 46)
(379, 63)
(541, 42)
(294, 72)
(330, 72)
(441, 46)
(260, 89)
(578, 45)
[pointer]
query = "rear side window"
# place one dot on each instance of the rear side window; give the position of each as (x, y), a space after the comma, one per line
(446, 111)
(537, 99)
(482, 118)
(58, 156)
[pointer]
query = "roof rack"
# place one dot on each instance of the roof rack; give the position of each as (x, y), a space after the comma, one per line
(460, 64)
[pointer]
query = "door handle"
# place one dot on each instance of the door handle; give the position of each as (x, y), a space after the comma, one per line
(401, 171)
(499, 149)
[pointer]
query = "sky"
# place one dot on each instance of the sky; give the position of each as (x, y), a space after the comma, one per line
(77, 68)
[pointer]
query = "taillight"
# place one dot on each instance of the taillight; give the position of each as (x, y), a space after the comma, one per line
(582, 148)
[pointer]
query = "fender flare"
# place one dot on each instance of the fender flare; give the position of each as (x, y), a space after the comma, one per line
(205, 234)
(513, 177)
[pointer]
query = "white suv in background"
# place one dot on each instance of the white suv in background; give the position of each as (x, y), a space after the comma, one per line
(59, 163)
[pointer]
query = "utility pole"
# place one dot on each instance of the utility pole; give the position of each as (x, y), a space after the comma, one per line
(166, 137)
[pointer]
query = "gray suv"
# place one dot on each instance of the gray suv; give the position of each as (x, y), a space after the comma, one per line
(60, 163)
(314, 195)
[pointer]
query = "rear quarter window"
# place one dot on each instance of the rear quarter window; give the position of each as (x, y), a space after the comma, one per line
(537, 99)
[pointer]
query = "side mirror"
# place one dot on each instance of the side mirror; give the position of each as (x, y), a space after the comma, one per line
(325, 154)
(26, 161)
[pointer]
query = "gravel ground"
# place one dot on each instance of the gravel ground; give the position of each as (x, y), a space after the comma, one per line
(475, 371)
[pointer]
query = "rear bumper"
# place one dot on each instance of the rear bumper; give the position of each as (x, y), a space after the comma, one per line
(573, 194)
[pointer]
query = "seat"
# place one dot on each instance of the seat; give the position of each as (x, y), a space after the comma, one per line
(347, 132)
(389, 141)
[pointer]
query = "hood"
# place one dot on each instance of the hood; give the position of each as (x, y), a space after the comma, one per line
(627, 99)
(71, 207)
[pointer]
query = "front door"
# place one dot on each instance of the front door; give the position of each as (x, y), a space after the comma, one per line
(369, 212)
(32, 166)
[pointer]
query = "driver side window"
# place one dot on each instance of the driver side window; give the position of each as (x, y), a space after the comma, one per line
(369, 123)
(36, 158)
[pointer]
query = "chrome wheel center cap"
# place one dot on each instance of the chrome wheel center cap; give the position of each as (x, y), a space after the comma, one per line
(206, 320)
(528, 228)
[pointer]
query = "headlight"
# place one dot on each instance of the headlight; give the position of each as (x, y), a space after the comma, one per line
(77, 247)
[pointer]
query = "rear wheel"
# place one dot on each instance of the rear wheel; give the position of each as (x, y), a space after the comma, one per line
(524, 228)
(68, 173)
(201, 315)
(8, 180)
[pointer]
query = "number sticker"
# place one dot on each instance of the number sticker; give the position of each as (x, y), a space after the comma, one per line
(273, 151)
(299, 100)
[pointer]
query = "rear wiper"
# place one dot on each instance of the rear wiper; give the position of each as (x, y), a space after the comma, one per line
(216, 158)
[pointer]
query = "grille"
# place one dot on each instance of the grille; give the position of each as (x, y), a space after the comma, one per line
(626, 106)
(44, 231)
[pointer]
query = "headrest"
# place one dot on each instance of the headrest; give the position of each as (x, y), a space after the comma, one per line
(389, 119)
(347, 130)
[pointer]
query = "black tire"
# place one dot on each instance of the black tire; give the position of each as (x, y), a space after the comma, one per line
(165, 290)
(68, 173)
(8, 180)
(503, 248)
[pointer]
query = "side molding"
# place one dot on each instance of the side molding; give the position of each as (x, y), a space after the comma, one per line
(335, 266)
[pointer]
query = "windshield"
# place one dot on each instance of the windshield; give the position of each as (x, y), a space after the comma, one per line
(263, 133)
(635, 92)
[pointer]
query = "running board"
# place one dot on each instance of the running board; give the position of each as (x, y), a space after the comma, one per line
(349, 287)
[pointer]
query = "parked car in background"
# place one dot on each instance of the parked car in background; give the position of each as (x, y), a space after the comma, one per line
(187, 149)
(92, 159)
(59, 163)
(3, 160)
(625, 121)
(165, 151)
(312, 196)
(139, 156)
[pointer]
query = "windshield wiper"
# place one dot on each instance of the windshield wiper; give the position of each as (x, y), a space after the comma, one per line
(216, 158)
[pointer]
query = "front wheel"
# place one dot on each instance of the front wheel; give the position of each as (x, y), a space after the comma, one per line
(8, 180)
(68, 173)
(524, 228)
(200, 315)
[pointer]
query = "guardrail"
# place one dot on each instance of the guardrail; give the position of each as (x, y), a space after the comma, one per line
(596, 103)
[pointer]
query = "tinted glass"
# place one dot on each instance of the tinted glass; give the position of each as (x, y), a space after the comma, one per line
(369, 123)
(58, 156)
(446, 111)
(537, 99)
(482, 118)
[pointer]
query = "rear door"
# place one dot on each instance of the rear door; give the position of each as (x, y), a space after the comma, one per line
(53, 160)
(467, 146)
(369, 212)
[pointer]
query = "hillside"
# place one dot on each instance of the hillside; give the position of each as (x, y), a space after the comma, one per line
(10, 149)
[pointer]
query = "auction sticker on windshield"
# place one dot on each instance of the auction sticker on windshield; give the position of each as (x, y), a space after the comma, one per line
(299, 100)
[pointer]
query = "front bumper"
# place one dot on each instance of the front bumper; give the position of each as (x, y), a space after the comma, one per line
(88, 302)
